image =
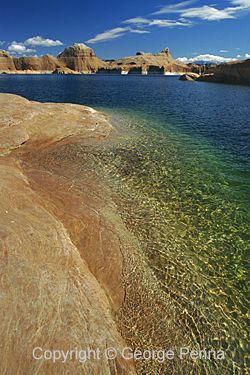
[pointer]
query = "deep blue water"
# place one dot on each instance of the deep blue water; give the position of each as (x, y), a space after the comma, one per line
(218, 112)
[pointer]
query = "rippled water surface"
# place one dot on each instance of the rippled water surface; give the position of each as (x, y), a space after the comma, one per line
(183, 184)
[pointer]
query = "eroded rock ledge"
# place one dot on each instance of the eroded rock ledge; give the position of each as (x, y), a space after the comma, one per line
(61, 254)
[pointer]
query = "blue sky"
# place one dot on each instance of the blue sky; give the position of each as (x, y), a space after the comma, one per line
(115, 29)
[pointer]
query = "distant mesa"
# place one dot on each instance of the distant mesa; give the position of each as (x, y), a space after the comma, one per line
(81, 59)
(147, 63)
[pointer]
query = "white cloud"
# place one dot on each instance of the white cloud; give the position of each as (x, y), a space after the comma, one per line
(185, 13)
(115, 33)
(243, 3)
(207, 58)
(19, 48)
(208, 13)
(175, 7)
(40, 41)
(142, 22)
(169, 23)
(247, 55)
(108, 34)
(138, 31)
(223, 51)
(137, 21)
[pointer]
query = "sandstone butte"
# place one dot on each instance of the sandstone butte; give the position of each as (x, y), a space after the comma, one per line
(72, 276)
(80, 58)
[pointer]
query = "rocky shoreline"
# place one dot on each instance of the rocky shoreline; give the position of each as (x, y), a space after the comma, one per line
(72, 275)
(57, 288)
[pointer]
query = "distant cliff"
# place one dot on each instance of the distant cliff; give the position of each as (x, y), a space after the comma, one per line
(146, 63)
(44, 63)
(77, 58)
(6, 62)
(82, 59)
(234, 72)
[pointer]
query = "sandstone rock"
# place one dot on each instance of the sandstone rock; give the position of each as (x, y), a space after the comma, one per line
(189, 76)
(6, 62)
(32, 63)
(65, 71)
(234, 72)
(68, 120)
(81, 58)
(59, 287)
(163, 62)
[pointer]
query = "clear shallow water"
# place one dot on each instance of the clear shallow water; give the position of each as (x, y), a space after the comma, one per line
(183, 183)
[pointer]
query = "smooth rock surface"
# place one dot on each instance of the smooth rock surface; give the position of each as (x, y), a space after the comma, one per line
(59, 288)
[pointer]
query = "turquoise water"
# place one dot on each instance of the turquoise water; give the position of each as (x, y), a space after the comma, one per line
(182, 180)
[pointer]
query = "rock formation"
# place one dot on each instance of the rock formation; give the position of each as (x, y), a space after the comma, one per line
(44, 63)
(6, 62)
(145, 63)
(234, 72)
(65, 70)
(72, 275)
(80, 58)
(61, 261)
(189, 77)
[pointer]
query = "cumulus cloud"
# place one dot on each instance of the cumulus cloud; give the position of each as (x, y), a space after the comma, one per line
(40, 41)
(207, 58)
(19, 48)
(247, 55)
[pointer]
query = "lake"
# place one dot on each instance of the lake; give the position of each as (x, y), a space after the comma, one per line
(182, 180)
